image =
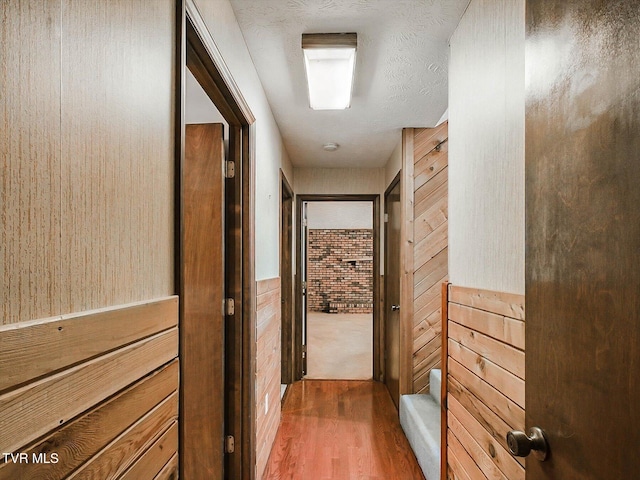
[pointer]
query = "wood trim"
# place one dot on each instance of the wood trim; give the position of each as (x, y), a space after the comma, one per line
(249, 342)
(211, 71)
(406, 263)
(41, 347)
(377, 324)
(233, 93)
(287, 314)
(444, 362)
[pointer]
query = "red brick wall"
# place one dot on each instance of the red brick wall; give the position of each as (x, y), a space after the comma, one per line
(340, 271)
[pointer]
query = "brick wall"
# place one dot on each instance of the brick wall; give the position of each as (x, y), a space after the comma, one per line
(340, 271)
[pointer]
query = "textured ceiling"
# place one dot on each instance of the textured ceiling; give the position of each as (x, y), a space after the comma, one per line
(401, 72)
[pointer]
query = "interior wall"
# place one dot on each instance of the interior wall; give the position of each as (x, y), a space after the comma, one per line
(270, 152)
(394, 164)
(486, 152)
(87, 148)
(339, 215)
(89, 329)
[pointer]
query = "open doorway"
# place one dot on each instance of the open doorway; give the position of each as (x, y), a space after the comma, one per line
(215, 260)
(338, 286)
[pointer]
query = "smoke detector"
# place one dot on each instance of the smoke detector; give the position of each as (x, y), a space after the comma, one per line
(330, 147)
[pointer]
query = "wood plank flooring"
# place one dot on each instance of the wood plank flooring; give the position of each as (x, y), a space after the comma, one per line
(340, 430)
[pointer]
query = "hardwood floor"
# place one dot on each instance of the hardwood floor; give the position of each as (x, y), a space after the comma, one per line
(340, 430)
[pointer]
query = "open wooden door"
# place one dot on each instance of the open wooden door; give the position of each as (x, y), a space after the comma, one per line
(392, 290)
(202, 347)
(583, 237)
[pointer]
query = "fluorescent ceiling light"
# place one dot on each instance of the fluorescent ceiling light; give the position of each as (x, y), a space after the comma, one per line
(329, 60)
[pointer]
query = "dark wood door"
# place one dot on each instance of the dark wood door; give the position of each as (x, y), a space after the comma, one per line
(392, 291)
(583, 237)
(202, 321)
(286, 282)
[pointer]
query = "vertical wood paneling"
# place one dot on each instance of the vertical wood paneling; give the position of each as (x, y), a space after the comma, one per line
(486, 164)
(485, 395)
(87, 178)
(430, 244)
(117, 144)
(267, 369)
(30, 211)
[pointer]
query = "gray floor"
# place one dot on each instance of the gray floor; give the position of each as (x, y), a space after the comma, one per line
(339, 346)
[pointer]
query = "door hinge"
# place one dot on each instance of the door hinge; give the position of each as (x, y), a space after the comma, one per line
(386, 217)
(229, 306)
(304, 351)
(304, 222)
(229, 444)
(229, 169)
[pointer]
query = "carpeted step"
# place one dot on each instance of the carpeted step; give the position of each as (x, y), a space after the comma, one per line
(420, 420)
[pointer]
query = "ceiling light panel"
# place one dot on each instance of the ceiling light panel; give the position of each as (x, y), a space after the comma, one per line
(329, 63)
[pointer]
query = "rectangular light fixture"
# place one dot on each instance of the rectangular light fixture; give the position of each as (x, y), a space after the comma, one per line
(329, 60)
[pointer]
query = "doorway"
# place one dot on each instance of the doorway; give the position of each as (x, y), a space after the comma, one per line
(214, 263)
(337, 287)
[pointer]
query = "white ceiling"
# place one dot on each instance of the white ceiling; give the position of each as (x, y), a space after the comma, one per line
(401, 72)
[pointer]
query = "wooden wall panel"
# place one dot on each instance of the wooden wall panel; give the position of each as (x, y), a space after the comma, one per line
(430, 249)
(486, 158)
(485, 382)
(267, 369)
(100, 409)
(86, 200)
(30, 187)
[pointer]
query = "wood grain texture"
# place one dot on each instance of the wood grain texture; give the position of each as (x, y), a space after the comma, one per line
(583, 302)
(430, 249)
(117, 150)
(129, 446)
(40, 347)
(202, 324)
(169, 471)
(76, 442)
(156, 457)
(35, 409)
(485, 382)
(340, 429)
(30, 178)
(407, 266)
(268, 369)
(486, 151)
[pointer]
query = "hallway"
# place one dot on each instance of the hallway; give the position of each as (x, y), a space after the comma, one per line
(340, 430)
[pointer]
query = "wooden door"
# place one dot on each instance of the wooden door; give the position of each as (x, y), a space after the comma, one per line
(583, 237)
(392, 290)
(202, 320)
(286, 281)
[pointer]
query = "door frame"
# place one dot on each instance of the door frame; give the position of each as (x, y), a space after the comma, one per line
(297, 347)
(196, 49)
(286, 280)
(383, 350)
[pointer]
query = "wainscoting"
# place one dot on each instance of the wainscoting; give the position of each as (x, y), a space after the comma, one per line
(94, 394)
(485, 384)
(267, 369)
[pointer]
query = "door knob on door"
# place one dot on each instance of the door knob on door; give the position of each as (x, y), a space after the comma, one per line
(521, 445)
(395, 308)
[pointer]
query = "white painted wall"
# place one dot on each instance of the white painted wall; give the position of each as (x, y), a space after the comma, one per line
(340, 215)
(486, 147)
(337, 180)
(270, 152)
(394, 165)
